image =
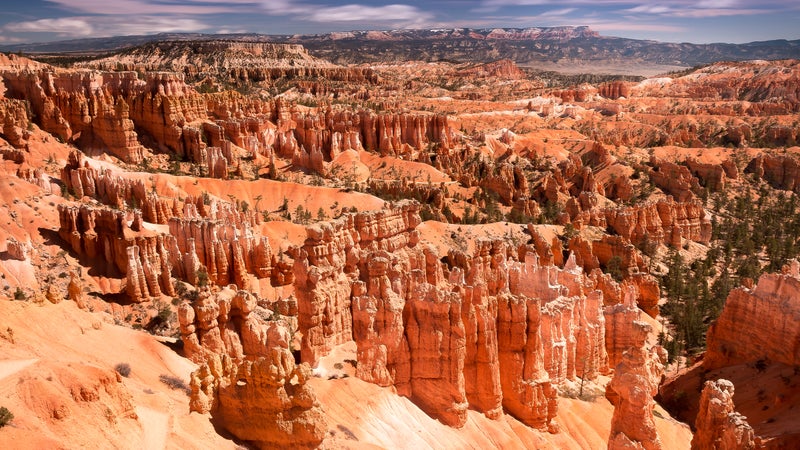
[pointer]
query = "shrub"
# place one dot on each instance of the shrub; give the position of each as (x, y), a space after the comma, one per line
(173, 382)
(5, 416)
(352, 362)
(123, 369)
(19, 294)
(202, 278)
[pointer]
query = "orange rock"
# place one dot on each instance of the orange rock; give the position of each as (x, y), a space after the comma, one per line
(631, 390)
(718, 425)
(753, 324)
(265, 400)
(780, 171)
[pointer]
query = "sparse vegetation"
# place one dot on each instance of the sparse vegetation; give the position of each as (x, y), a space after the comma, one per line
(6, 416)
(123, 369)
(174, 382)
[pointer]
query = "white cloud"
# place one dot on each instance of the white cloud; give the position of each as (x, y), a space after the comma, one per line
(673, 8)
(650, 9)
(98, 26)
(152, 7)
(66, 26)
(356, 13)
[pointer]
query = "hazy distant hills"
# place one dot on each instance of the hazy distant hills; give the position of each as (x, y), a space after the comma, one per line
(527, 47)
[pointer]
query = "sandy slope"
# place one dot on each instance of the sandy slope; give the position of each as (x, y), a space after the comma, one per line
(363, 415)
(55, 356)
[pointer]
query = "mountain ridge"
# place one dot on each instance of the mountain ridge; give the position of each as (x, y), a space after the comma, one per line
(525, 46)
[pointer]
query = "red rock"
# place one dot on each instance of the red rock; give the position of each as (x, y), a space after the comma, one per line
(116, 238)
(18, 250)
(615, 89)
(631, 391)
(480, 331)
(718, 425)
(674, 179)
(265, 400)
(758, 323)
(780, 171)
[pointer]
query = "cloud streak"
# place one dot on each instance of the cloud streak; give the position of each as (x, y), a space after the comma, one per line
(676, 8)
(100, 26)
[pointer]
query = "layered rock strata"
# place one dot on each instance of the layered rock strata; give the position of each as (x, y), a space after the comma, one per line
(222, 245)
(662, 221)
(119, 239)
(780, 171)
(117, 113)
(227, 322)
(479, 330)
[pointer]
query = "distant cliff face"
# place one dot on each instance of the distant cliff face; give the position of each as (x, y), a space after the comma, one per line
(231, 60)
(522, 45)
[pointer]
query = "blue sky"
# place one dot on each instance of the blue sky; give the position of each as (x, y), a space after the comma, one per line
(699, 21)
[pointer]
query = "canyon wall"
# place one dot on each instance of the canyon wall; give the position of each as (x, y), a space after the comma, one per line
(762, 323)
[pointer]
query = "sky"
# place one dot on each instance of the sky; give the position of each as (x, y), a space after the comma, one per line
(697, 21)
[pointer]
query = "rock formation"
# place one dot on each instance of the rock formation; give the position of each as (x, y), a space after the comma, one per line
(480, 330)
(118, 239)
(718, 425)
(228, 322)
(780, 171)
(663, 221)
(215, 238)
(14, 120)
(248, 378)
(758, 323)
(631, 391)
(18, 250)
(264, 400)
(233, 61)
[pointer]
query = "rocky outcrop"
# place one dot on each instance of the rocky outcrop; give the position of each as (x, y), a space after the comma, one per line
(674, 179)
(265, 400)
(232, 61)
(615, 89)
(780, 171)
(718, 425)
(14, 120)
(478, 330)
(119, 239)
(227, 322)
(762, 323)
(205, 235)
(621, 333)
(113, 190)
(229, 251)
(713, 176)
(61, 103)
(248, 379)
(18, 250)
(663, 221)
(631, 391)
(118, 113)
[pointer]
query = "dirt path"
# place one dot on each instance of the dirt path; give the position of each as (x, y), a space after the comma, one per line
(156, 427)
(9, 367)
